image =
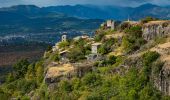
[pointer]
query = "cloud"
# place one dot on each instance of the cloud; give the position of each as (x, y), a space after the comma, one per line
(72, 2)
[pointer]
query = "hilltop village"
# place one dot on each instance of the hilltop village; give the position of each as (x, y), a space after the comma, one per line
(127, 60)
(112, 32)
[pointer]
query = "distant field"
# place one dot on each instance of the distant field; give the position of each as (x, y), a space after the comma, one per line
(10, 58)
(9, 55)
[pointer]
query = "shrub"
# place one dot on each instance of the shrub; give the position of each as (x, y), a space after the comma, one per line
(125, 25)
(21, 68)
(55, 57)
(49, 48)
(65, 86)
(157, 67)
(63, 44)
(107, 46)
(99, 37)
(148, 19)
(150, 57)
(76, 54)
(92, 79)
(133, 40)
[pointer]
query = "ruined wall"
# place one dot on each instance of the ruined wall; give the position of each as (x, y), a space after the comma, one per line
(155, 29)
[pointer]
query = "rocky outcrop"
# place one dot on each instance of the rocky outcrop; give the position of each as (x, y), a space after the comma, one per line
(162, 81)
(58, 72)
(155, 29)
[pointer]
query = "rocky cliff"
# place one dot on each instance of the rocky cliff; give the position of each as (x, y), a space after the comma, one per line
(162, 81)
(156, 29)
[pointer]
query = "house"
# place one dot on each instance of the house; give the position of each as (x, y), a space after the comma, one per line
(95, 48)
(94, 53)
(84, 36)
(64, 37)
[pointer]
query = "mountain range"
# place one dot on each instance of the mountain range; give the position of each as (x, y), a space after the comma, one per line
(113, 12)
(30, 18)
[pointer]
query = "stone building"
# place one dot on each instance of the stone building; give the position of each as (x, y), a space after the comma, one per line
(94, 52)
(95, 48)
(111, 24)
(64, 37)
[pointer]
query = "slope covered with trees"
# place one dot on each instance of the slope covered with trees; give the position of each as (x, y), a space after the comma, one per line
(127, 75)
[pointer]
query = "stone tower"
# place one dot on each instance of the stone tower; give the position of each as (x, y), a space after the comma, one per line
(111, 24)
(64, 37)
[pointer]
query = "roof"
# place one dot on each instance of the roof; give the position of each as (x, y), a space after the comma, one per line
(96, 44)
(65, 51)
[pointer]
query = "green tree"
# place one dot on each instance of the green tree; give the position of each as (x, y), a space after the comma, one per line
(99, 37)
(39, 71)
(21, 68)
(92, 79)
(148, 19)
(76, 54)
(65, 86)
(63, 44)
(10, 77)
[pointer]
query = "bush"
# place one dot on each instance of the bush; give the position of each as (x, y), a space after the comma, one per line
(65, 86)
(148, 19)
(55, 57)
(157, 67)
(76, 54)
(150, 57)
(49, 48)
(39, 68)
(63, 44)
(99, 37)
(92, 79)
(125, 26)
(107, 46)
(133, 40)
(21, 68)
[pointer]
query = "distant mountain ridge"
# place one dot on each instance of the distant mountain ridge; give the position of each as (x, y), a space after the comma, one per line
(30, 18)
(94, 11)
(113, 12)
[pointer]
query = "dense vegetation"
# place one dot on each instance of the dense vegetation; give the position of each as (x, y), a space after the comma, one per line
(115, 77)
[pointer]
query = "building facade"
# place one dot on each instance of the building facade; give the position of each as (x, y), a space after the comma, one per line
(64, 38)
(95, 47)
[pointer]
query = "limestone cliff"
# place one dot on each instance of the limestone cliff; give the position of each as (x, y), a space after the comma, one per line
(155, 29)
(162, 81)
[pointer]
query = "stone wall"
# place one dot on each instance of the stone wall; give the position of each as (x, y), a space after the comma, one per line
(155, 29)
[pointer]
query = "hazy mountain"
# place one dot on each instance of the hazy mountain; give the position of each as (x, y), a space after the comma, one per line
(114, 12)
(29, 18)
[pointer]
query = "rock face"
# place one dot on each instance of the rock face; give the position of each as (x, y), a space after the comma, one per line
(162, 81)
(58, 72)
(155, 28)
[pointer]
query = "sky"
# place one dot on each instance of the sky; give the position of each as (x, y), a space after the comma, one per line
(132, 3)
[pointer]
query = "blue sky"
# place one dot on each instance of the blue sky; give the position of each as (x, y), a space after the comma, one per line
(73, 2)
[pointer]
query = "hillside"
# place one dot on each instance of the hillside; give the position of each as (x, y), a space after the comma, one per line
(124, 62)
